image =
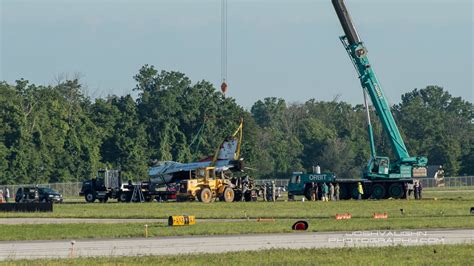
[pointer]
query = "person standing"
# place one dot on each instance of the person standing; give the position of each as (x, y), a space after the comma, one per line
(325, 192)
(360, 190)
(405, 189)
(410, 189)
(245, 187)
(264, 192)
(1, 195)
(7, 195)
(37, 199)
(313, 191)
(417, 190)
(439, 177)
(273, 191)
(336, 191)
(331, 192)
(316, 191)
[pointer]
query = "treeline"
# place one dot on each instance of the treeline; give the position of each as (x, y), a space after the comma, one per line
(58, 134)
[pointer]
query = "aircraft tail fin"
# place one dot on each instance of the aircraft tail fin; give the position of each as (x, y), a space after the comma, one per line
(230, 148)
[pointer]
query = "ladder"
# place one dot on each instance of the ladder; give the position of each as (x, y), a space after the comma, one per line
(137, 195)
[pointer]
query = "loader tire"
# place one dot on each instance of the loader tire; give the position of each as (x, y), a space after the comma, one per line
(229, 194)
(205, 195)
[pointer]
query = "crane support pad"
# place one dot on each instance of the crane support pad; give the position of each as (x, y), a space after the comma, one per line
(27, 207)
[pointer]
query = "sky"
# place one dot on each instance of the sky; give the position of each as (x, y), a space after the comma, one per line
(276, 48)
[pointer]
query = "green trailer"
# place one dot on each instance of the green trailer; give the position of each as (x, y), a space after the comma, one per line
(300, 184)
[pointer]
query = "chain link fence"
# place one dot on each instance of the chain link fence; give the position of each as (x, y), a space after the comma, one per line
(66, 189)
(72, 189)
(459, 181)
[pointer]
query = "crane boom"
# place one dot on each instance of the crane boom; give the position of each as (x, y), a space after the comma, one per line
(378, 167)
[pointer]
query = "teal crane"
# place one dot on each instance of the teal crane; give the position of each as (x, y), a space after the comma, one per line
(378, 167)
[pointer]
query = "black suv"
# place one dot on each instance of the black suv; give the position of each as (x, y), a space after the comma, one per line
(44, 194)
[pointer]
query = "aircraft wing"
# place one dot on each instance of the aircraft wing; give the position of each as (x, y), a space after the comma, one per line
(171, 167)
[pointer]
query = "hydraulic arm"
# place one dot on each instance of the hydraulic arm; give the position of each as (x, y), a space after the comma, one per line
(378, 166)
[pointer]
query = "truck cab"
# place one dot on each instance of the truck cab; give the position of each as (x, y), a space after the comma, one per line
(105, 185)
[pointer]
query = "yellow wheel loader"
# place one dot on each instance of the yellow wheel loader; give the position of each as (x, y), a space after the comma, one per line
(206, 187)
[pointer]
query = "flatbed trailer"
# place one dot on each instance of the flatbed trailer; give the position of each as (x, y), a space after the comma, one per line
(108, 185)
(300, 184)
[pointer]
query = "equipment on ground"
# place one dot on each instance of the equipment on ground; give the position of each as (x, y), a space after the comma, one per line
(244, 188)
(27, 207)
(108, 185)
(381, 178)
(181, 220)
(300, 226)
(206, 187)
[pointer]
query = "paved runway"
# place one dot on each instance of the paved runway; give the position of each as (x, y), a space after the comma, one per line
(218, 244)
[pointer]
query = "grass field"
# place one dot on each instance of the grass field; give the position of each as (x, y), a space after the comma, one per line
(451, 210)
(425, 208)
(127, 230)
(418, 255)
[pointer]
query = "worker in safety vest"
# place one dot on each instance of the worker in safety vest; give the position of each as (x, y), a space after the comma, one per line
(360, 190)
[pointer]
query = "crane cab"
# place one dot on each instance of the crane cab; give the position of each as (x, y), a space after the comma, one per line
(379, 165)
